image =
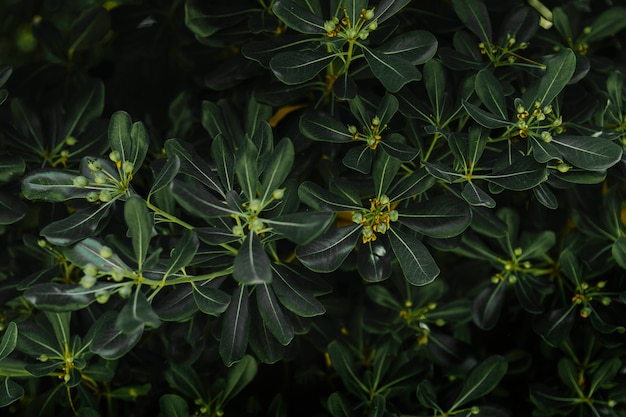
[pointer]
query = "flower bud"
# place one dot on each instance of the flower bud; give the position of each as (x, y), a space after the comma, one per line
(237, 231)
(257, 225)
(92, 197)
(117, 275)
(106, 252)
(363, 35)
(369, 14)
(278, 194)
(102, 296)
(43, 358)
(329, 26)
(563, 168)
(94, 165)
(254, 205)
(384, 199)
(393, 215)
(88, 281)
(80, 181)
(128, 167)
(125, 291)
(352, 129)
(373, 25)
(42, 243)
(115, 156)
(90, 269)
(65, 153)
(357, 217)
(104, 196)
(375, 121)
(71, 141)
(99, 178)
(546, 136)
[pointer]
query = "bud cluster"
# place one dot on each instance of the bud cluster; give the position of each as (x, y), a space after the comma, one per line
(376, 219)
(105, 185)
(350, 28)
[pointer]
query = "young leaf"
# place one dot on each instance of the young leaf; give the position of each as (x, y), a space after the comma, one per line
(473, 13)
(296, 67)
(327, 252)
(272, 314)
(482, 379)
(297, 17)
(392, 71)
(128, 138)
(252, 265)
(417, 263)
(140, 224)
(235, 327)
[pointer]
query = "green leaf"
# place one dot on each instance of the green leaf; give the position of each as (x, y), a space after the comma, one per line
(90, 27)
(522, 174)
(388, 8)
(415, 183)
(9, 340)
(322, 127)
(319, 198)
(444, 216)
(277, 169)
(239, 376)
(9, 392)
(358, 158)
(488, 305)
(77, 226)
(338, 406)
(546, 197)
(426, 395)
(83, 107)
(559, 71)
(166, 175)
(12, 209)
(342, 360)
(293, 293)
(417, 263)
(11, 167)
(604, 374)
(235, 327)
(297, 17)
(393, 72)
(474, 14)
(568, 373)
(416, 46)
(272, 314)
(136, 314)
(90, 251)
(476, 196)
(172, 405)
(301, 227)
(247, 169)
(484, 118)
(51, 296)
(394, 146)
(192, 165)
(128, 138)
(296, 67)
(205, 19)
(618, 251)
(561, 22)
(210, 301)
(140, 224)
(183, 253)
(482, 379)
(110, 342)
(51, 185)
(373, 261)
(384, 172)
(589, 153)
(344, 87)
(556, 325)
(327, 252)
(608, 23)
(490, 92)
(197, 200)
(252, 265)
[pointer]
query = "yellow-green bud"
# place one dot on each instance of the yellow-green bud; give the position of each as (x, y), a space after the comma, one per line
(557, 122)
(43, 358)
(352, 129)
(587, 30)
(115, 156)
(90, 269)
(92, 197)
(511, 41)
(71, 141)
(278, 194)
(106, 252)
(350, 33)
(254, 205)
(125, 291)
(257, 225)
(88, 281)
(128, 167)
(563, 168)
(382, 228)
(586, 311)
(363, 35)
(517, 251)
(42, 243)
(104, 196)
(369, 14)
(237, 231)
(546, 136)
(80, 181)
(375, 121)
(357, 217)
(605, 301)
(393, 215)
(547, 109)
(523, 45)
(611, 403)
(384, 199)
(373, 25)
(99, 178)
(512, 279)
(601, 284)
(102, 296)
(329, 26)
(117, 275)
(94, 165)
(475, 410)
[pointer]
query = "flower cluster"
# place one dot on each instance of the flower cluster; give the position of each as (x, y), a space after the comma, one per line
(345, 29)
(106, 185)
(372, 132)
(376, 219)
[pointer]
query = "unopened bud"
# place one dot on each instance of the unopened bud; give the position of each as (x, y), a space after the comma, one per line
(94, 165)
(278, 194)
(88, 281)
(106, 252)
(369, 14)
(357, 217)
(71, 141)
(115, 156)
(80, 181)
(92, 197)
(125, 291)
(104, 196)
(393, 215)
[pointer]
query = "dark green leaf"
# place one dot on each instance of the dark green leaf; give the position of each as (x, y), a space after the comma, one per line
(319, 198)
(235, 327)
(604, 374)
(374, 261)
(482, 379)
(192, 165)
(247, 169)
(545, 196)
(358, 158)
(490, 92)
(322, 127)
(378, 406)
(426, 395)
(484, 118)
(272, 314)
(277, 169)
(91, 251)
(136, 314)
(488, 305)
(394, 146)
(589, 153)
(568, 373)
(183, 253)
(89, 28)
(618, 251)
(9, 340)
(205, 19)
(224, 160)
(166, 175)
(110, 342)
(343, 361)
(210, 301)
(298, 17)
(12, 167)
(556, 325)
(9, 392)
(294, 294)
(51, 296)
(608, 23)
(473, 13)
(198, 201)
(172, 405)
(393, 72)
(296, 67)
(239, 376)
(252, 265)
(51, 185)
(12, 209)
(128, 138)
(388, 8)
(344, 87)
(338, 406)
(83, 107)
(522, 174)
(559, 71)
(140, 224)
(416, 47)
(414, 184)
(384, 171)
(440, 217)
(77, 226)
(476, 196)
(301, 227)
(417, 263)
(327, 252)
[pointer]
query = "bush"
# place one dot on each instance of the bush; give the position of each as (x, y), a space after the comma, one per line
(311, 208)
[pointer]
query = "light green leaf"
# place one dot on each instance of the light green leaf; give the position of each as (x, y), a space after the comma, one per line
(482, 379)
(393, 72)
(252, 265)
(417, 263)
